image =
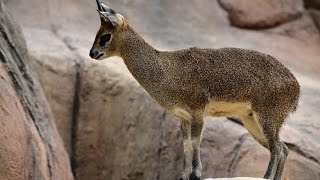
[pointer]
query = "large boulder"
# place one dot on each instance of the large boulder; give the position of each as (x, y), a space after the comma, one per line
(261, 13)
(114, 130)
(30, 145)
(122, 133)
(315, 14)
(58, 69)
(313, 3)
(57, 64)
(236, 178)
(304, 28)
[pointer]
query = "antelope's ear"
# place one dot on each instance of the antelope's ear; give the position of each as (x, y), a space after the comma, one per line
(107, 17)
(106, 8)
(107, 14)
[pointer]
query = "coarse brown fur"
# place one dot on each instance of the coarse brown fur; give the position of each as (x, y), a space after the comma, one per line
(192, 83)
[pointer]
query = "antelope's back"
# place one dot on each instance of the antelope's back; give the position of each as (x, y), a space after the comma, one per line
(236, 74)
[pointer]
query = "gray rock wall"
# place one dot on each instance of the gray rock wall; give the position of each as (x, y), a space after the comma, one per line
(30, 145)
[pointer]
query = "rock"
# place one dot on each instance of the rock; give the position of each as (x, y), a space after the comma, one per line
(243, 156)
(119, 137)
(30, 146)
(261, 13)
(217, 159)
(58, 70)
(13, 138)
(257, 158)
(236, 178)
(303, 29)
(315, 14)
(119, 132)
(57, 64)
(312, 3)
(145, 139)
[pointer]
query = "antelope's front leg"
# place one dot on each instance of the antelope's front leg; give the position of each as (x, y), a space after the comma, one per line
(196, 130)
(191, 133)
(187, 148)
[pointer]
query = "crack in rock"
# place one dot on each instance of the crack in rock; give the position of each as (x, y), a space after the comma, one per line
(160, 144)
(300, 151)
(237, 154)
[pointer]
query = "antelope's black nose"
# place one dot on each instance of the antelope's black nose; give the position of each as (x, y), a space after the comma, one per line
(93, 53)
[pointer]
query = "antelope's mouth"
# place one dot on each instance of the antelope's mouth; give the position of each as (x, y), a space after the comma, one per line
(99, 56)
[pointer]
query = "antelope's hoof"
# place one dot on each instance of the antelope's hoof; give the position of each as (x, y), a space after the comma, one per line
(193, 177)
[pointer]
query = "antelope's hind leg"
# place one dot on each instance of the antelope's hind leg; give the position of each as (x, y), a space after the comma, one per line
(278, 150)
(266, 132)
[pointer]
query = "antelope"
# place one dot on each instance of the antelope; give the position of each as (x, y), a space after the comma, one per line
(194, 83)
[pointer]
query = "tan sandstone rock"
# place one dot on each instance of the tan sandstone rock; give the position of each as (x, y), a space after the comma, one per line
(261, 13)
(119, 137)
(58, 71)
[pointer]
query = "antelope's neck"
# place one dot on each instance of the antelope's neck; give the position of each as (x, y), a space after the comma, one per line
(141, 59)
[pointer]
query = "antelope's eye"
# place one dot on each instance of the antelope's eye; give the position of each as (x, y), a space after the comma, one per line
(104, 39)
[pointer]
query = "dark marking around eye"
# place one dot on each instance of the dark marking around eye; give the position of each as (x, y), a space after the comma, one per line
(104, 39)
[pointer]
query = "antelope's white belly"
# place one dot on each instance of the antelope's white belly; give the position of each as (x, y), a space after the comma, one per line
(248, 117)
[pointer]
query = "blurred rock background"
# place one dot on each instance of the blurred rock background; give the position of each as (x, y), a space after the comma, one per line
(110, 127)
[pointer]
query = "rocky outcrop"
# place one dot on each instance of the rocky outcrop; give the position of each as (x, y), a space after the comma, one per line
(142, 139)
(30, 146)
(304, 29)
(236, 178)
(315, 14)
(123, 134)
(114, 130)
(58, 70)
(313, 3)
(261, 13)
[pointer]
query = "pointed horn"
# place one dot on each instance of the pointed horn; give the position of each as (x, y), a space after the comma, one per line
(99, 5)
(107, 8)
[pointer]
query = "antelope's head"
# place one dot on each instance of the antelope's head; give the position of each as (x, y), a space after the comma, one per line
(105, 43)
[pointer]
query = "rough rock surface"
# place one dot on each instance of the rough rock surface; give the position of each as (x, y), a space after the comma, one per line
(305, 28)
(313, 3)
(236, 178)
(261, 13)
(135, 133)
(315, 14)
(30, 146)
(58, 74)
(119, 132)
